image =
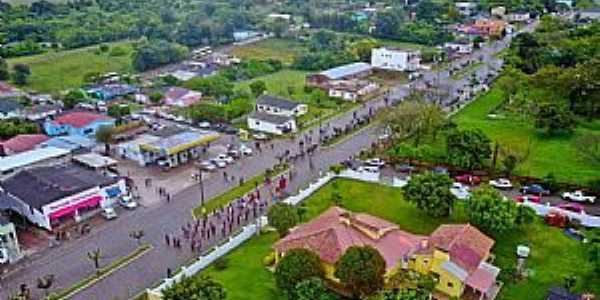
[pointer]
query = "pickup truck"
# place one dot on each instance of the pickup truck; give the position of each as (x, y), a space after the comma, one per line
(578, 196)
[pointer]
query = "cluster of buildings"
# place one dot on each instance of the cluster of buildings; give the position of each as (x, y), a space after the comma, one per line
(456, 255)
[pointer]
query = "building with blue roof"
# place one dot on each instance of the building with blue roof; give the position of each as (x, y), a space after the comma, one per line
(344, 72)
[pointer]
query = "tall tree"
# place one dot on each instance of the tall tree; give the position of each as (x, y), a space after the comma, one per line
(414, 118)
(295, 267)
(468, 148)
(104, 135)
(258, 87)
(361, 270)
(313, 289)
(430, 192)
(198, 287)
(283, 217)
(20, 73)
(554, 118)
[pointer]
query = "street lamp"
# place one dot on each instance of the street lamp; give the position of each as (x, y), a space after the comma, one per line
(201, 181)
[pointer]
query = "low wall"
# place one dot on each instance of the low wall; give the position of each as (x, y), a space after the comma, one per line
(543, 209)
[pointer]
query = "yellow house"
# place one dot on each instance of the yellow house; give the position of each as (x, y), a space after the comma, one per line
(455, 255)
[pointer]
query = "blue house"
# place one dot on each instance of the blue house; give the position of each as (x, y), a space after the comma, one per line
(111, 91)
(77, 124)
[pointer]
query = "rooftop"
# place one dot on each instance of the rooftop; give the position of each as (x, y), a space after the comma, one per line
(79, 119)
(23, 142)
(179, 142)
(466, 245)
(278, 102)
(94, 160)
(346, 70)
(44, 185)
(69, 142)
(274, 119)
(30, 157)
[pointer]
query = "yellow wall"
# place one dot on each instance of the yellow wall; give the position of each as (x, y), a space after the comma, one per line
(426, 264)
(329, 272)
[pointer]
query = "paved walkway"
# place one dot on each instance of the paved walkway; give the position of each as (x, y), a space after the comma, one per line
(69, 262)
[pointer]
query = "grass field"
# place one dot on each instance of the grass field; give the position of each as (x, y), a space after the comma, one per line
(57, 71)
(547, 154)
(401, 45)
(281, 49)
(553, 255)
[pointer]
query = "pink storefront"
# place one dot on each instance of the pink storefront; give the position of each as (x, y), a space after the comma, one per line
(71, 207)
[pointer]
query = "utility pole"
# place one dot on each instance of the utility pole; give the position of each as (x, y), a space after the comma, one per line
(201, 181)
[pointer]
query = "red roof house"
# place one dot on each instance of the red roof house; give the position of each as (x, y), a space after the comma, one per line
(177, 96)
(21, 143)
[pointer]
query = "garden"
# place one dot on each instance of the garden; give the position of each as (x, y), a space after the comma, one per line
(546, 268)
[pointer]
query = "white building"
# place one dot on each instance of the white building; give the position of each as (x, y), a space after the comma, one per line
(279, 106)
(459, 47)
(590, 13)
(466, 8)
(10, 251)
(273, 124)
(517, 17)
(285, 17)
(395, 59)
(351, 90)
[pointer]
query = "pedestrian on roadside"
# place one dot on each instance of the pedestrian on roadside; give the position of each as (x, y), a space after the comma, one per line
(167, 240)
(169, 273)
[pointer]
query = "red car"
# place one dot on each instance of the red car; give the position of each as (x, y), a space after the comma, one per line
(574, 207)
(528, 198)
(468, 179)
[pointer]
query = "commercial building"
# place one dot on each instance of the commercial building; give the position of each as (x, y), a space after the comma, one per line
(71, 143)
(78, 123)
(32, 158)
(21, 143)
(131, 150)
(455, 255)
(273, 124)
(47, 196)
(395, 59)
(94, 161)
(10, 251)
(346, 72)
(280, 106)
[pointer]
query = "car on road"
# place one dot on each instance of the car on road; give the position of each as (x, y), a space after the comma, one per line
(207, 166)
(578, 196)
(460, 191)
(528, 198)
(180, 119)
(406, 168)
(501, 183)
(127, 202)
(468, 179)
(574, 207)
(375, 162)
(218, 163)
(245, 150)
(260, 136)
(226, 158)
(368, 169)
(233, 153)
(204, 125)
(535, 189)
(109, 213)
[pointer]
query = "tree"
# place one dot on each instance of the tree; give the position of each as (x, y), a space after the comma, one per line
(73, 97)
(509, 163)
(95, 256)
(593, 250)
(363, 47)
(137, 235)
(400, 294)
(149, 55)
(20, 73)
(258, 87)
(104, 135)
(313, 289)
(199, 287)
(468, 148)
(414, 118)
(45, 283)
(490, 212)
(155, 97)
(554, 118)
(430, 192)
(361, 270)
(118, 111)
(295, 267)
(477, 42)
(283, 216)
(4, 74)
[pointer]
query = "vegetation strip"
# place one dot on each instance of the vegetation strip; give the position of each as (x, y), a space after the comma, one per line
(101, 273)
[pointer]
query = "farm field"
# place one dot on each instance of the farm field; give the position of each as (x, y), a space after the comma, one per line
(54, 72)
(547, 269)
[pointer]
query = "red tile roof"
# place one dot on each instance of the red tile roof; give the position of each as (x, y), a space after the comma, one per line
(336, 230)
(466, 245)
(23, 142)
(79, 119)
(481, 280)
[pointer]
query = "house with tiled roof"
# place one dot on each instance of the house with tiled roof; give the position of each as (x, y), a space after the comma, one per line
(181, 97)
(80, 123)
(455, 255)
(21, 143)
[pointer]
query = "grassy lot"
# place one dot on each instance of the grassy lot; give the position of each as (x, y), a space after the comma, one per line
(57, 71)
(281, 49)
(401, 45)
(547, 267)
(280, 84)
(547, 154)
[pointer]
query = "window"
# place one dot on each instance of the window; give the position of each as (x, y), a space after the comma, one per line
(436, 276)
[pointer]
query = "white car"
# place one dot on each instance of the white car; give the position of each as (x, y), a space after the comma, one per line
(180, 119)
(368, 169)
(204, 125)
(219, 163)
(460, 191)
(109, 213)
(226, 158)
(260, 136)
(207, 166)
(245, 150)
(501, 183)
(375, 162)
(127, 202)
(578, 196)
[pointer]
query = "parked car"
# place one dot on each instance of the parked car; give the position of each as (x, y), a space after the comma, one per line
(218, 163)
(574, 207)
(207, 166)
(226, 158)
(501, 183)
(109, 213)
(440, 170)
(235, 154)
(578, 196)
(204, 125)
(368, 169)
(406, 168)
(468, 179)
(260, 136)
(245, 150)
(230, 130)
(528, 198)
(375, 162)
(460, 191)
(535, 189)
(127, 202)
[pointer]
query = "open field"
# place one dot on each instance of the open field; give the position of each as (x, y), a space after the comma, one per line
(280, 49)
(547, 268)
(54, 72)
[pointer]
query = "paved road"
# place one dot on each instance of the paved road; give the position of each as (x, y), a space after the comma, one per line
(69, 262)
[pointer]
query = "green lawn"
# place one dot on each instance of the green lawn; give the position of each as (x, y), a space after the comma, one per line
(547, 154)
(284, 50)
(401, 45)
(553, 254)
(57, 71)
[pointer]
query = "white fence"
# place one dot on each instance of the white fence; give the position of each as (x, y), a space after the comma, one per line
(543, 209)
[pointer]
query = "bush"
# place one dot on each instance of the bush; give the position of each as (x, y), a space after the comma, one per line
(269, 260)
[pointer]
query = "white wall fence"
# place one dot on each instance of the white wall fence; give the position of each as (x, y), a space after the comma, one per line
(585, 219)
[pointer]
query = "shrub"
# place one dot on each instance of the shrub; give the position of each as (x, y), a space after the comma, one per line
(269, 260)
